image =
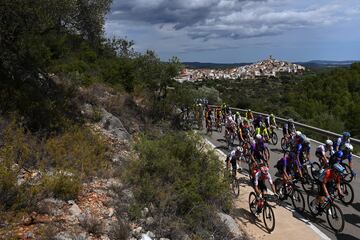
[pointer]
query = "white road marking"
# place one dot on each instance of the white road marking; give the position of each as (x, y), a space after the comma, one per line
(296, 214)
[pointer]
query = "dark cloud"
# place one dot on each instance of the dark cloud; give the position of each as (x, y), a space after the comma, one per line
(233, 19)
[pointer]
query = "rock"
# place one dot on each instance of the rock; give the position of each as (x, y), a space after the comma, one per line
(186, 237)
(29, 235)
(150, 221)
(51, 206)
(104, 237)
(137, 231)
(75, 210)
(150, 234)
(145, 237)
(87, 110)
(144, 212)
(111, 212)
(63, 236)
(113, 126)
(230, 223)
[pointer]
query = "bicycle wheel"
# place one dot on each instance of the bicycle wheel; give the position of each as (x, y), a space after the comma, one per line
(348, 176)
(306, 183)
(274, 138)
(269, 217)
(235, 186)
(252, 203)
(335, 218)
(315, 170)
(284, 144)
(348, 191)
(298, 200)
(280, 189)
(312, 205)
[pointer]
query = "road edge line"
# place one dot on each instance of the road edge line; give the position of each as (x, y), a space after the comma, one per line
(322, 235)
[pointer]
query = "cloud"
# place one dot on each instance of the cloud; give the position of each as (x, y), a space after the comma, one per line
(233, 19)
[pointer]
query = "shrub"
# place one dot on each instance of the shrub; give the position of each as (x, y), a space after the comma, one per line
(77, 150)
(92, 224)
(62, 186)
(176, 174)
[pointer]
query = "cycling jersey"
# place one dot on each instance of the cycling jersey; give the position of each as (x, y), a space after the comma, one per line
(341, 143)
(249, 115)
(259, 176)
(328, 175)
(232, 158)
(263, 132)
(321, 151)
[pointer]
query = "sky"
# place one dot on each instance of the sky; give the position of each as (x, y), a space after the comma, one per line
(229, 31)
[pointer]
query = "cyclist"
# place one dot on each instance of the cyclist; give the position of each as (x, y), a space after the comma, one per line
(259, 183)
(249, 115)
(288, 128)
(270, 122)
(341, 141)
(305, 150)
(263, 132)
(341, 155)
(286, 167)
(208, 117)
(321, 150)
(327, 179)
(218, 115)
(230, 125)
(237, 119)
(258, 121)
(234, 158)
(258, 150)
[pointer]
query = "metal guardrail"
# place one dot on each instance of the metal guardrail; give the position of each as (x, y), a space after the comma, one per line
(297, 124)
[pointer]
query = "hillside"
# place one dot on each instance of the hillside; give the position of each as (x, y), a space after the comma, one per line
(87, 132)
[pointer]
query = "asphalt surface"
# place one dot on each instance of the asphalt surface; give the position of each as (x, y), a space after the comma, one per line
(351, 212)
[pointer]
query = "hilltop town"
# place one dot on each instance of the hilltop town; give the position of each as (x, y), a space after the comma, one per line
(266, 68)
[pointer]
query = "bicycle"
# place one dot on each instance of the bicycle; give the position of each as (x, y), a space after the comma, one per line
(346, 189)
(273, 136)
(290, 190)
(235, 185)
(334, 215)
(258, 205)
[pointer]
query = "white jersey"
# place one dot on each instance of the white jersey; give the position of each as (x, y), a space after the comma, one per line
(229, 121)
(258, 175)
(321, 149)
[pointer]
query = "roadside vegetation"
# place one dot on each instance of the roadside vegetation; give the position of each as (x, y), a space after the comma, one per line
(184, 181)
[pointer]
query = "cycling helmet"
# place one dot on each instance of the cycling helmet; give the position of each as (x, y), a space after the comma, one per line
(258, 136)
(264, 170)
(249, 110)
(349, 147)
(339, 154)
(238, 114)
(346, 135)
(337, 167)
(238, 148)
(306, 140)
(290, 120)
(298, 133)
(329, 142)
(272, 115)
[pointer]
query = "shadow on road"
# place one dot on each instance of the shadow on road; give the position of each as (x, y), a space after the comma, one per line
(353, 219)
(345, 236)
(277, 150)
(356, 206)
(246, 217)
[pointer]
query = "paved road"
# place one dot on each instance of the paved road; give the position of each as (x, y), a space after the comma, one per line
(351, 213)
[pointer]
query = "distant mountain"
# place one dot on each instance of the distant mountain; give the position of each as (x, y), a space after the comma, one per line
(327, 64)
(309, 64)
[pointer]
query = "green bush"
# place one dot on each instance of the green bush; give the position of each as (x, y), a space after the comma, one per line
(62, 186)
(176, 174)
